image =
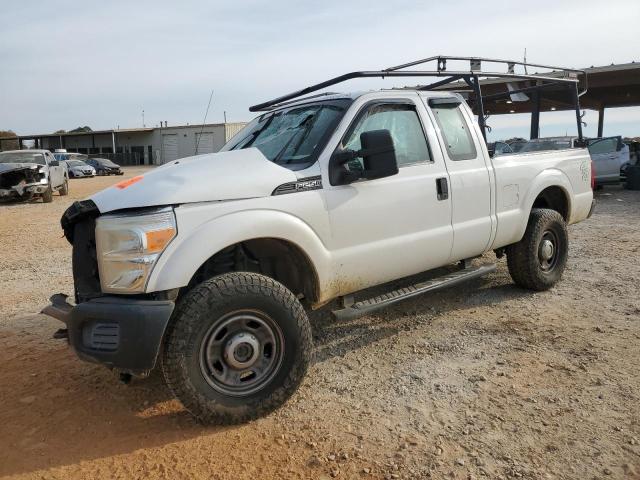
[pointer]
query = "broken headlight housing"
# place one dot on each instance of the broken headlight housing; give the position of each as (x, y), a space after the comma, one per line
(129, 245)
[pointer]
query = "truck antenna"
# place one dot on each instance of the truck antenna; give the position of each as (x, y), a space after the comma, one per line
(525, 61)
(203, 122)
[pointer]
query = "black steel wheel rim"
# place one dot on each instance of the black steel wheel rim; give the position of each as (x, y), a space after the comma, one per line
(548, 251)
(241, 352)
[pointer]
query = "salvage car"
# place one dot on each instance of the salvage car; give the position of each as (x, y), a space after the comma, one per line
(208, 265)
(25, 174)
(104, 166)
(79, 169)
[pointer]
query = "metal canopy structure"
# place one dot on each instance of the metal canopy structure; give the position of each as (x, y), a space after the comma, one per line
(601, 88)
(566, 81)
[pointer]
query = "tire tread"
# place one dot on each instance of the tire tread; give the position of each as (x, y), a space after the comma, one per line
(188, 311)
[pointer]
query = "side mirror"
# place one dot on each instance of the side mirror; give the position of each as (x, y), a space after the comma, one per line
(378, 154)
(54, 163)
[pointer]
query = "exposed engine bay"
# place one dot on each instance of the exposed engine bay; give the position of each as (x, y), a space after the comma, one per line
(21, 180)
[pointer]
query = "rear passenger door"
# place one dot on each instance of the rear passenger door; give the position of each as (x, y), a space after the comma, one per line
(470, 181)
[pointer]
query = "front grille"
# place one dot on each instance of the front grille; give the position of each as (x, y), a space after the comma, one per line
(79, 225)
(86, 278)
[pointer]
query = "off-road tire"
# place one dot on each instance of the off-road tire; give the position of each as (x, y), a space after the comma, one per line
(64, 190)
(47, 195)
(202, 308)
(523, 257)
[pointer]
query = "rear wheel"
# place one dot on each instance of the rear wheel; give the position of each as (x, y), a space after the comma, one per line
(238, 347)
(538, 260)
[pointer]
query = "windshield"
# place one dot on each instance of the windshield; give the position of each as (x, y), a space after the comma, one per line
(293, 137)
(22, 157)
(76, 163)
(542, 144)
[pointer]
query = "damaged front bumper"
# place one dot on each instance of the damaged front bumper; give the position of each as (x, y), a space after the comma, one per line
(23, 190)
(121, 333)
(22, 182)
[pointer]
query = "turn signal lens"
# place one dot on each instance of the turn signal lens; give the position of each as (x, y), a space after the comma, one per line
(158, 239)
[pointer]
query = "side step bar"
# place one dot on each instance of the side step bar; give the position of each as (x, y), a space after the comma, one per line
(365, 307)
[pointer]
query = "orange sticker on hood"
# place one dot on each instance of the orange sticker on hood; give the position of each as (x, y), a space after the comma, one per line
(127, 183)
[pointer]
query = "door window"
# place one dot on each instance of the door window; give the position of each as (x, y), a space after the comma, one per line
(606, 145)
(403, 123)
(455, 131)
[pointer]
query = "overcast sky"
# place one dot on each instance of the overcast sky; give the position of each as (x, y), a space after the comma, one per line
(70, 63)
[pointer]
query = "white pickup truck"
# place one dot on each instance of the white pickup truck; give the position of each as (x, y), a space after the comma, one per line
(26, 174)
(208, 264)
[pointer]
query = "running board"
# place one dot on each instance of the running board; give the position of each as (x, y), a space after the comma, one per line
(365, 307)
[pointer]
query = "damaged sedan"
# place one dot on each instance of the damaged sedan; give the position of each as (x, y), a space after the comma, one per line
(27, 174)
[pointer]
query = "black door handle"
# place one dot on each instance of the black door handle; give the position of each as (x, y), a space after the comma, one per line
(442, 187)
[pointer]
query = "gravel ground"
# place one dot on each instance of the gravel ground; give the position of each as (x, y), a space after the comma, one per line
(481, 381)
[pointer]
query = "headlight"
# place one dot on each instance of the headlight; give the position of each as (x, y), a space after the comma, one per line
(128, 246)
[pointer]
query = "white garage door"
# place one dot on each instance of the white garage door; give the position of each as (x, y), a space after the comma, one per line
(204, 142)
(169, 147)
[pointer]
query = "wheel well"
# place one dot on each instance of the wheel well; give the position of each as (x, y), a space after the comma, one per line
(553, 198)
(276, 258)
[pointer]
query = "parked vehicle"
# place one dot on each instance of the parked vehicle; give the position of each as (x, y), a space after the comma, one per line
(548, 143)
(499, 148)
(516, 145)
(209, 262)
(25, 174)
(609, 154)
(104, 166)
(79, 169)
(64, 156)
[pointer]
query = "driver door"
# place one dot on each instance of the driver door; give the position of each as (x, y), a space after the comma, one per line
(56, 172)
(391, 227)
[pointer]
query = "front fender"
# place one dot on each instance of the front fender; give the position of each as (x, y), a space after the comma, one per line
(193, 246)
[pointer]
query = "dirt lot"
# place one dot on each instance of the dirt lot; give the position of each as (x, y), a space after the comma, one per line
(483, 381)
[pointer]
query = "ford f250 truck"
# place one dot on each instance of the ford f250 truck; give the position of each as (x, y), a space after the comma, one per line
(207, 265)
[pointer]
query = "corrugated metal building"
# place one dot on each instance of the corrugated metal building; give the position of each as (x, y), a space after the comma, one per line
(143, 146)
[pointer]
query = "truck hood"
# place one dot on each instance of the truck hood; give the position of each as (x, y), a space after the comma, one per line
(9, 167)
(229, 175)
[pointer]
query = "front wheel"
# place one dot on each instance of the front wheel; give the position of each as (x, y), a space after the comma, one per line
(538, 260)
(237, 348)
(47, 195)
(64, 190)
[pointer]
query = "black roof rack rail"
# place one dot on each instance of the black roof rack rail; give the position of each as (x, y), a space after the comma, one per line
(557, 76)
